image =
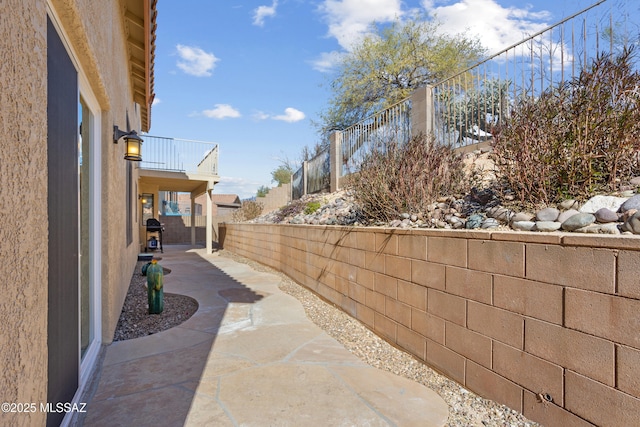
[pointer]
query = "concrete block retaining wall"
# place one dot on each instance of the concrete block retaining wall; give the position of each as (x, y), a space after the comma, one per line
(509, 315)
(177, 229)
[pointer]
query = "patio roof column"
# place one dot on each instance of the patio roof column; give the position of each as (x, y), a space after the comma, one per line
(193, 220)
(209, 224)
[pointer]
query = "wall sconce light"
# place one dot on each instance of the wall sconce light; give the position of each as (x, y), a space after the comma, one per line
(133, 141)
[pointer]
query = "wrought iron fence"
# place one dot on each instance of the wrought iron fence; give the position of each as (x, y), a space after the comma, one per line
(179, 155)
(394, 123)
(297, 184)
(319, 173)
(468, 105)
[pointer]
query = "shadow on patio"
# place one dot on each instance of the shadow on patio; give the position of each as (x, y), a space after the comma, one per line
(248, 356)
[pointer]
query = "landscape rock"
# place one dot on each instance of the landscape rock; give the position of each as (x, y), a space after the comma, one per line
(474, 221)
(569, 204)
(598, 202)
(610, 228)
(635, 181)
(500, 213)
(522, 216)
(490, 223)
(604, 215)
(547, 226)
(523, 225)
(633, 224)
(459, 212)
(548, 214)
(566, 215)
(578, 221)
(632, 203)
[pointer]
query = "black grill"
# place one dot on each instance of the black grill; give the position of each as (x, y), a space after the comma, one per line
(154, 226)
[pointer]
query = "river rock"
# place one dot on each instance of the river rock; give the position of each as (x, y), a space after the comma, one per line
(604, 215)
(569, 204)
(610, 228)
(578, 221)
(500, 213)
(633, 224)
(522, 216)
(547, 226)
(632, 203)
(566, 215)
(598, 202)
(523, 225)
(548, 214)
(490, 223)
(474, 221)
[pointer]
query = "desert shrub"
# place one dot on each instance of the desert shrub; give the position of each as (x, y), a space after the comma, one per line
(311, 207)
(292, 209)
(249, 210)
(575, 139)
(262, 191)
(395, 178)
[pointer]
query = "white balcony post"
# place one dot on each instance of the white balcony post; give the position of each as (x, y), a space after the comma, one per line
(209, 221)
(193, 220)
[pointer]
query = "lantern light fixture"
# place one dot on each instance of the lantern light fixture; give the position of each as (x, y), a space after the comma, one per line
(133, 143)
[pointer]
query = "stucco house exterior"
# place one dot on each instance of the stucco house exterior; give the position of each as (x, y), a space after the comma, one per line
(70, 70)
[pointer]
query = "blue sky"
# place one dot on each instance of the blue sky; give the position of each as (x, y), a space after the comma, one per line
(252, 76)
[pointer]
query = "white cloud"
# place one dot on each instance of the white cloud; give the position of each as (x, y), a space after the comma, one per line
(496, 26)
(222, 111)
(262, 12)
(156, 101)
(349, 20)
(195, 61)
(260, 115)
(290, 115)
(327, 61)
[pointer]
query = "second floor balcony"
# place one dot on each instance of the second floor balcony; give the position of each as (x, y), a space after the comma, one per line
(178, 165)
(179, 155)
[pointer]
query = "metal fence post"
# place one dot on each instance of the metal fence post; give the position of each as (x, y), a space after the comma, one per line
(335, 159)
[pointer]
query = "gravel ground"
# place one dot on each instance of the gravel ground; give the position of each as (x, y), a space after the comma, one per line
(466, 409)
(135, 320)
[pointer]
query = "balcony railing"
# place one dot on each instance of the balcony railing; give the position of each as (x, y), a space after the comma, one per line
(179, 155)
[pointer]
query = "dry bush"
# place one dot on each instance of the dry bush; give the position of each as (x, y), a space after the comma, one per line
(294, 208)
(249, 210)
(397, 178)
(576, 139)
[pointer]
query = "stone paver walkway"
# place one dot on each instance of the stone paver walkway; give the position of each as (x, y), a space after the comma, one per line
(248, 357)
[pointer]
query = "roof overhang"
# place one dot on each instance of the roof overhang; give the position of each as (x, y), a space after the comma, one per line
(140, 29)
(193, 183)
